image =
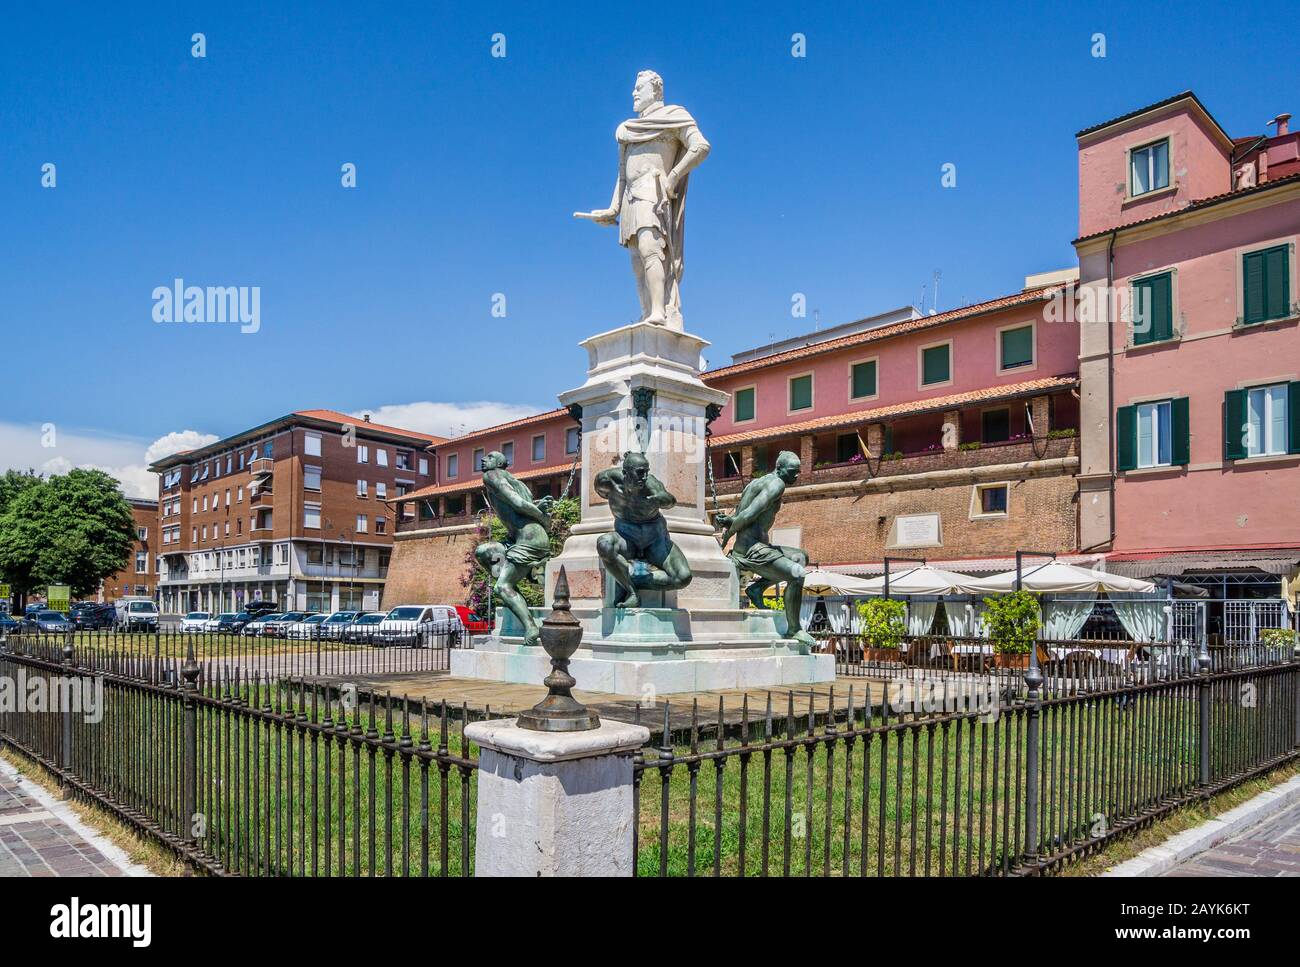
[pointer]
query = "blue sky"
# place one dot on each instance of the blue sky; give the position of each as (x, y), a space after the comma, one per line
(824, 179)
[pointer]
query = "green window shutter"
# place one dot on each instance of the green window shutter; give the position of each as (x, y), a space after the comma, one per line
(864, 379)
(887, 443)
(1181, 430)
(1153, 309)
(801, 392)
(1293, 418)
(1252, 298)
(760, 460)
(1277, 285)
(744, 404)
(1126, 437)
(935, 366)
(1017, 347)
(1234, 424)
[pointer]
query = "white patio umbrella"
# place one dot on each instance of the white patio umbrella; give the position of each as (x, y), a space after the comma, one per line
(817, 581)
(1056, 577)
(922, 579)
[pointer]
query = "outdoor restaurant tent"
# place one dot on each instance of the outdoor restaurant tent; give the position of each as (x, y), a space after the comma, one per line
(1073, 591)
(1057, 578)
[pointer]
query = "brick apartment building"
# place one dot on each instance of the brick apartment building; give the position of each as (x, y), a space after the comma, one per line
(140, 576)
(951, 436)
(292, 511)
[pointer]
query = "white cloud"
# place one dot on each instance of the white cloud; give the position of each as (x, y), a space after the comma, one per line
(448, 419)
(50, 450)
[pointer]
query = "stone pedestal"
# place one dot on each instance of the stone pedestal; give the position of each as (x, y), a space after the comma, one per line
(659, 367)
(643, 392)
(555, 803)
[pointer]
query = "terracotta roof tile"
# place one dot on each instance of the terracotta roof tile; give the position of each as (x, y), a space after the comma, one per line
(885, 332)
(334, 416)
(1197, 205)
(913, 407)
(488, 431)
(464, 486)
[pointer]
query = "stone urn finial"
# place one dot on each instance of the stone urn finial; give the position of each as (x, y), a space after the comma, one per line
(559, 711)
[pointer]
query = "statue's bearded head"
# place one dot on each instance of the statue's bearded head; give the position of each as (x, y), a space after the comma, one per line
(496, 460)
(787, 466)
(636, 468)
(649, 89)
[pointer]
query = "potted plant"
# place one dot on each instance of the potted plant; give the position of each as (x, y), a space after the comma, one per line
(1013, 623)
(884, 625)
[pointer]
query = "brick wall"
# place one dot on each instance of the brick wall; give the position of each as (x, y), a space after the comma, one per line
(428, 567)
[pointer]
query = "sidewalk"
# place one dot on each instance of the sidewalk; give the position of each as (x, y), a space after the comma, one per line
(1270, 849)
(41, 836)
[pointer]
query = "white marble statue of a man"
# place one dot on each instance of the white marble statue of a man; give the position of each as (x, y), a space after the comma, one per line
(658, 149)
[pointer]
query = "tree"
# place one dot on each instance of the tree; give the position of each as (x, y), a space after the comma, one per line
(74, 529)
(564, 514)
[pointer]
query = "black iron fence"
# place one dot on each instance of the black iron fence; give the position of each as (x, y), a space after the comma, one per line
(157, 656)
(952, 776)
(239, 772)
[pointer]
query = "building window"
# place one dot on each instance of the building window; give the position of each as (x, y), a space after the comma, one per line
(241, 459)
(142, 533)
(862, 379)
(1154, 434)
(453, 465)
(239, 495)
(141, 562)
(1153, 309)
(311, 446)
(936, 364)
(381, 524)
(846, 447)
(403, 460)
(454, 506)
(731, 464)
(571, 440)
(1149, 168)
(539, 448)
(1266, 421)
(282, 553)
(363, 524)
(991, 500)
(311, 516)
(381, 458)
(508, 451)
(315, 554)
(742, 404)
(1016, 347)
(311, 478)
(424, 466)
(995, 426)
(801, 392)
(205, 502)
(381, 490)
(478, 460)
(363, 489)
(227, 496)
(363, 454)
(1266, 285)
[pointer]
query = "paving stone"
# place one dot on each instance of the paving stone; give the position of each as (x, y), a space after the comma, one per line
(1269, 849)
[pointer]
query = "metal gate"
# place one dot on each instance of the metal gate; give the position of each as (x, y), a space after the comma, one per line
(1189, 622)
(1242, 620)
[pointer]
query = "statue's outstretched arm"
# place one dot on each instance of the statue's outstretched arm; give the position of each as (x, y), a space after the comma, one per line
(607, 481)
(659, 494)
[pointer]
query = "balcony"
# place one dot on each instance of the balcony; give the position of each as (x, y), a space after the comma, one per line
(262, 467)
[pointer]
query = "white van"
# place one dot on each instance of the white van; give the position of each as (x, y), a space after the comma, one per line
(136, 614)
(417, 625)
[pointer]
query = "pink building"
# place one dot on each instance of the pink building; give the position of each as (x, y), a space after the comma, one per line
(1190, 353)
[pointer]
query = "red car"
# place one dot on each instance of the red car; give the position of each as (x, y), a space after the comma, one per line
(474, 625)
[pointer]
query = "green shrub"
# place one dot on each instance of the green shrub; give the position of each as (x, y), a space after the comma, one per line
(884, 622)
(1013, 622)
(1277, 637)
(972, 445)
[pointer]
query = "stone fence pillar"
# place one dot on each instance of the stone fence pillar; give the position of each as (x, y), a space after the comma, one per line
(555, 803)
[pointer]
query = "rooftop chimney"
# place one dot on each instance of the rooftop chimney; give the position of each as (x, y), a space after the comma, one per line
(366, 417)
(1282, 125)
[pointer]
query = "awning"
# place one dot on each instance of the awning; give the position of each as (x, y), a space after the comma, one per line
(922, 580)
(829, 582)
(1058, 578)
(1281, 562)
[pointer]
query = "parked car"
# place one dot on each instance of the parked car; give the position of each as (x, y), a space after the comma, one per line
(49, 622)
(136, 614)
(195, 622)
(276, 627)
(332, 627)
(257, 625)
(9, 625)
(237, 622)
(32, 609)
(223, 622)
(417, 624)
(89, 616)
(471, 622)
(259, 608)
(364, 628)
(308, 628)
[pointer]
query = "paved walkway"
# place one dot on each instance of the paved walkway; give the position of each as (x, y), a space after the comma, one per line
(1270, 849)
(40, 836)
